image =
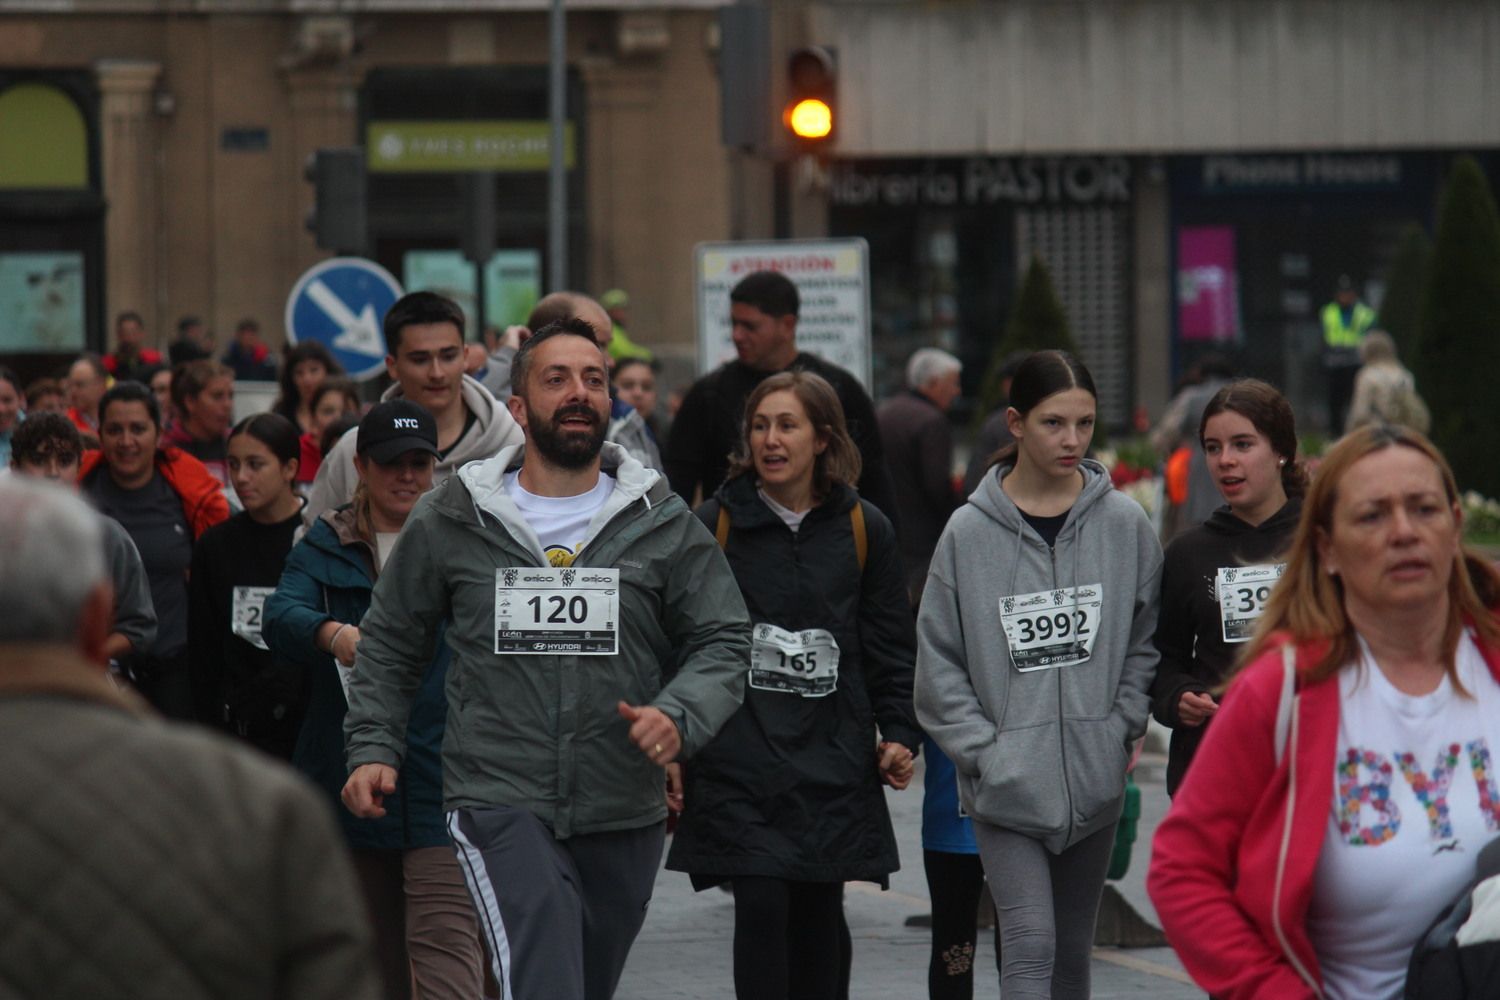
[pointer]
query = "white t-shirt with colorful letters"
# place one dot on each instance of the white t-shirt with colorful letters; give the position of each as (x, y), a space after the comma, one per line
(1415, 798)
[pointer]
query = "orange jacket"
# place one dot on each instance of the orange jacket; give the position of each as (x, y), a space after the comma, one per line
(203, 501)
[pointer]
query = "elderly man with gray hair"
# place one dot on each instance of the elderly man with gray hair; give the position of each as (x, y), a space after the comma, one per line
(145, 857)
(919, 452)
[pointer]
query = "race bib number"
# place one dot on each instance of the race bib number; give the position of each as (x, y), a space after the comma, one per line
(557, 610)
(1052, 628)
(1243, 591)
(345, 674)
(247, 608)
(805, 662)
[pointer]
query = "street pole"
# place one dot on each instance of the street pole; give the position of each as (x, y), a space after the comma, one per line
(557, 187)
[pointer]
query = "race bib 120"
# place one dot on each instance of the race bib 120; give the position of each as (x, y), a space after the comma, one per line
(246, 611)
(1052, 628)
(573, 610)
(1243, 592)
(805, 662)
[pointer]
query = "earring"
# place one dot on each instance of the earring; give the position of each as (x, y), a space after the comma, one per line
(1280, 462)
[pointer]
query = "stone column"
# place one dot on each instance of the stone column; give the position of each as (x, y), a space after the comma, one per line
(129, 147)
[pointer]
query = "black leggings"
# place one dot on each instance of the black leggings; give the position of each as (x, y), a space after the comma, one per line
(954, 882)
(786, 939)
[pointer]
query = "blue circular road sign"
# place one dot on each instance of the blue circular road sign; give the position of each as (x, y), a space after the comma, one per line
(341, 303)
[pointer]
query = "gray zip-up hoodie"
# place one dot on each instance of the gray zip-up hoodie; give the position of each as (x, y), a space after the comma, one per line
(1042, 752)
(541, 732)
(493, 428)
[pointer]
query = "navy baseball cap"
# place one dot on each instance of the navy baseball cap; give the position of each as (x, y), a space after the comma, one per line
(393, 428)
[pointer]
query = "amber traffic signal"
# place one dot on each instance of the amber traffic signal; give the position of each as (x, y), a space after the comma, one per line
(811, 108)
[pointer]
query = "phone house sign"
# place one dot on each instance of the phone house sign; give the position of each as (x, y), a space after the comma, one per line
(1077, 180)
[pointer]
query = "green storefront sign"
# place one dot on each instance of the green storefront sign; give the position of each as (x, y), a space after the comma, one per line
(461, 146)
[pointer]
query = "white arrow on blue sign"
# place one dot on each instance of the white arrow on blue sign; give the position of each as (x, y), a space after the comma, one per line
(341, 304)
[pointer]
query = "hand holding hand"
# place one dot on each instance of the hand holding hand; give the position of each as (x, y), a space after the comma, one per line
(652, 731)
(367, 788)
(674, 787)
(1194, 709)
(897, 765)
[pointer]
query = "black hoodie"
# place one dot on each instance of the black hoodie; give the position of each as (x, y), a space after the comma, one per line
(1189, 635)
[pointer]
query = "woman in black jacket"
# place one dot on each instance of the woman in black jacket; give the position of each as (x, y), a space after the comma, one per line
(239, 684)
(1216, 577)
(786, 801)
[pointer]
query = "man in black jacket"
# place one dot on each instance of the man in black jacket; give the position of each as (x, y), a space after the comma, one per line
(763, 312)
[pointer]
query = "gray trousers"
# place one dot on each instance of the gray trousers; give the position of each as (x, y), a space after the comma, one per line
(1046, 905)
(559, 915)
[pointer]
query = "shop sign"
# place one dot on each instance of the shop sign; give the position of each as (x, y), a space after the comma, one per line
(462, 146)
(1312, 171)
(832, 278)
(982, 180)
(512, 283)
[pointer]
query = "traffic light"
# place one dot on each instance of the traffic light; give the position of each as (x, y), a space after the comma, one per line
(337, 220)
(811, 106)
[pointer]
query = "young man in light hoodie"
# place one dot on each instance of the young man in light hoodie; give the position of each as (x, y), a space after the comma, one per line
(424, 335)
(597, 635)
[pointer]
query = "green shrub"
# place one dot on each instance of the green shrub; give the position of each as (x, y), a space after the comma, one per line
(1460, 338)
(1037, 322)
(1401, 308)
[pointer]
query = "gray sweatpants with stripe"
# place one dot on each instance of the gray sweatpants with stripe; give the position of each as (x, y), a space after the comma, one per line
(559, 915)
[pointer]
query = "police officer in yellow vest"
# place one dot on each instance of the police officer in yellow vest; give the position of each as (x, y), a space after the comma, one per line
(1345, 322)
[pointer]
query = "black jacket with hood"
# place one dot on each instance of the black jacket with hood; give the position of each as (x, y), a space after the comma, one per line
(789, 788)
(1194, 655)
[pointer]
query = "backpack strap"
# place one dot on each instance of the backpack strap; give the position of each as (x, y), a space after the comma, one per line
(856, 521)
(721, 530)
(861, 540)
(1288, 701)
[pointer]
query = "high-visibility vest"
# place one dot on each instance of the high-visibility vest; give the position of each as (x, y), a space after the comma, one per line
(1337, 334)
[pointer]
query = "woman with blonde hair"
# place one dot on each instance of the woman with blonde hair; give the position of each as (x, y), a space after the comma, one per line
(1384, 390)
(1350, 766)
(414, 891)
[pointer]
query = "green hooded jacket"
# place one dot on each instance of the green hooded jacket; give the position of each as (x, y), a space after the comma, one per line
(542, 732)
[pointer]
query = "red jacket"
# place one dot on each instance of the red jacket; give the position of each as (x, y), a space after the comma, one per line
(311, 458)
(145, 356)
(203, 501)
(1232, 864)
(84, 424)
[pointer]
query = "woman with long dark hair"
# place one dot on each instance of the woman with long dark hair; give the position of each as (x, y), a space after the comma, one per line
(1034, 659)
(239, 684)
(165, 499)
(304, 368)
(1217, 577)
(786, 800)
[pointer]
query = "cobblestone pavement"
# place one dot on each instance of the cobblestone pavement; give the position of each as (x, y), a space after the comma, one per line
(684, 949)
